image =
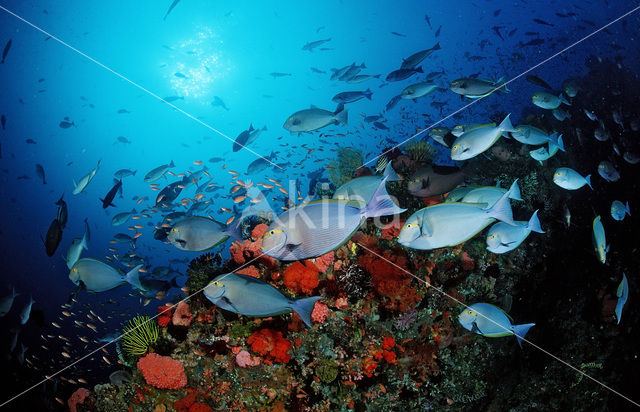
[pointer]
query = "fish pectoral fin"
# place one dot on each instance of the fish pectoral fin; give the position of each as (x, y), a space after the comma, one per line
(182, 242)
(507, 244)
(475, 328)
(292, 246)
(426, 182)
(228, 302)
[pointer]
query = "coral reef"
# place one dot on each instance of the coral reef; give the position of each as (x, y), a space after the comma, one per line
(162, 372)
(139, 334)
(342, 170)
(419, 150)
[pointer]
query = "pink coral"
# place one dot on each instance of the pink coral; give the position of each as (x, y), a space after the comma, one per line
(241, 252)
(76, 398)
(162, 372)
(323, 262)
(244, 359)
(320, 312)
(182, 316)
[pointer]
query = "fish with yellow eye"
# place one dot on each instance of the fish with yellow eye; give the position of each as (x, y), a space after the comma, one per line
(249, 296)
(503, 238)
(492, 322)
(313, 229)
(600, 240)
(198, 233)
(475, 141)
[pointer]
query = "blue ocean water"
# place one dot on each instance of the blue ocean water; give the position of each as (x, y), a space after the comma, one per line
(230, 50)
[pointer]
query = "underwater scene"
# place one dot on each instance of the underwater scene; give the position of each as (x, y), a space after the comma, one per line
(344, 205)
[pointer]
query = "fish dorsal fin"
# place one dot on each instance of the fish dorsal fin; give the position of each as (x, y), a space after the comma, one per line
(502, 310)
(313, 106)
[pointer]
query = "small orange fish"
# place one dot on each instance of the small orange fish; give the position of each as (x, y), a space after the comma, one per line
(138, 226)
(181, 186)
(106, 360)
(241, 183)
(233, 172)
(199, 196)
(136, 217)
(155, 188)
(198, 163)
(267, 186)
(146, 215)
(143, 270)
(239, 199)
(137, 235)
(180, 175)
(207, 174)
(166, 225)
(256, 200)
(283, 190)
(230, 219)
(139, 201)
(226, 209)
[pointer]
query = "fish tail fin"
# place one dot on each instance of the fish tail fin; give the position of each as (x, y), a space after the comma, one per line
(506, 125)
(519, 331)
(556, 142)
(626, 208)
(377, 76)
(515, 192)
(368, 93)
(419, 69)
(234, 230)
(59, 202)
(84, 242)
(303, 307)
(134, 173)
(436, 47)
(502, 87)
(172, 164)
(341, 114)
(501, 210)
(133, 278)
(381, 204)
(390, 174)
(564, 100)
(534, 223)
(588, 179)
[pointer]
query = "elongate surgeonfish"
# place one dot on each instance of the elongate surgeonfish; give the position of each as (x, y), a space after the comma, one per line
(475, 141)
(108, 199)
(7, 301)
(97, 276)
(361, 189)
(315, 228)
(569, 179)
(249, 296)
(503, 238)
(84, 181)
(492, 322)
(198, 233)
(489, 195)
(451, 223)
(623, 294)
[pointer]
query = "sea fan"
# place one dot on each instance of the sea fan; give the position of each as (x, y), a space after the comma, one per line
(140, 333)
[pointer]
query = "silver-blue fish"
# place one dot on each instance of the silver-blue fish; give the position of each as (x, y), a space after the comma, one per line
(249, 296)
(492, 322)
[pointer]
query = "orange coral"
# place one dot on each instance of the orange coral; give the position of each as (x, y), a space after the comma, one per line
(164, 313)
(301, 278)
(241, 252)
(249, 271)
(162, 372)
(467, 262)
(271, 344)
(390, 281)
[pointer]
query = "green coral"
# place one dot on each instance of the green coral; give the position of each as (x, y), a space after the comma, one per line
(341, 171)
(326, 370)
(139, 334)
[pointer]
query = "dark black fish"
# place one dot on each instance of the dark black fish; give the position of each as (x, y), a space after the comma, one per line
(392, 103)
(543, 22)
(66, 124)
(380, 126)
(538, 81)
(426, 17)
(54, 236)
(313, 69)
(40, 173)
(534, 42)
(180, 75)
(512, 32)
(123, 111)
(62, 214)
(242, 139)
(496, 29)
(3, 121)
(174, 4)
(5, 51)
(279, 74)
(438, 31)
(497, 12)
(398, 34)
(169, 194)
(30, 141)
(218, 102)
(108, 199)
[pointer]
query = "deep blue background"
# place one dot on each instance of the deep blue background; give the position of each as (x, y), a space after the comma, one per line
(240, 45)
